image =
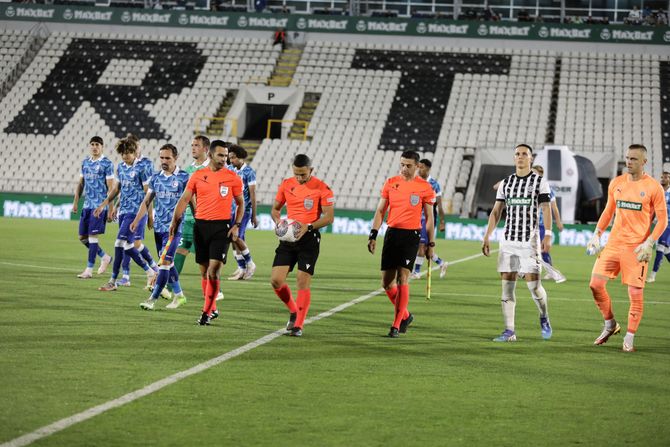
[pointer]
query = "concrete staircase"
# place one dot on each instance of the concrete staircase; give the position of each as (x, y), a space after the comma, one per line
(217, 125)
(285, 69)
(306, 112)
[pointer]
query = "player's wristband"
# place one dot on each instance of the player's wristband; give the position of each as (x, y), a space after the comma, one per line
(547, 232)
(431, 244)
(373, 235)
(236, 224)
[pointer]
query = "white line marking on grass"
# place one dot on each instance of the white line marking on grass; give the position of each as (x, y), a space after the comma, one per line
(14, 264)
(67, 422)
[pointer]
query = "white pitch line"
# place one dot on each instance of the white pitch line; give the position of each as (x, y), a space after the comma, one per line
(67, 422)
(14, 264)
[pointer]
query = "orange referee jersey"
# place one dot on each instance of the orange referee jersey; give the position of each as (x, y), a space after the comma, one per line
(304, 202)
(635, 203)
(406, 199)
(214, 192)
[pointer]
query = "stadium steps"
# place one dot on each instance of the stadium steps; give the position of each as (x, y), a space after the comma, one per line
(664, 68)
(306, 112)
(285, 69)
(38, 36)
(217, 125)
(553, 108)
(251, 146)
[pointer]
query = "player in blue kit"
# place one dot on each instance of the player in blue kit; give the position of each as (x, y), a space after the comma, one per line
(145, 165)
(663, 244)
(131, 184)
(166, 188)
(245, 265)
(423, 171)
(96, 179)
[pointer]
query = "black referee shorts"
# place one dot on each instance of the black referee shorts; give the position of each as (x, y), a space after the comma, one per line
(400, 248)
(304, 252)
(211, 240)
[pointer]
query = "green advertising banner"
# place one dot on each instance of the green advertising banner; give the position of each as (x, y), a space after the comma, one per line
(337, 24)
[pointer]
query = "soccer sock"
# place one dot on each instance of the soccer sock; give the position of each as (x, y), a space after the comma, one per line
(84, 242)
(508, 303)
(92, 251)
(118, 257)
(304, 299)
(101, 252)
(284, 294)
(132, 253)
(213, 287)
(436, 259)
(241, 263)
(174, 280)
(144, 251)
(601, 297)
(635, 294)
(546, 257)
(161, 281)
(418, 262)
(392, 293)
(126, 263)
(658, 259)
(179, 262)
(539, 296)
(401, 303)
(203, 285)
(246, 255)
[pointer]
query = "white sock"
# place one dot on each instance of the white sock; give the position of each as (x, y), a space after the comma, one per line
(629, 339)
(539, 296)
(609, 324)
(508, 303)
(418, 262)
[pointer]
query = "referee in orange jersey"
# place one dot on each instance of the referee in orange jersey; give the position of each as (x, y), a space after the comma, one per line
(310, 202)
(633, 199)
(215, 188)
(405, 196)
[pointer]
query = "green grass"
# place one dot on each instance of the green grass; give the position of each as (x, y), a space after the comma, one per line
(65, 347)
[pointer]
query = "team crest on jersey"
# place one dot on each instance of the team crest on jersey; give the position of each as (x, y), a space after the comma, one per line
(175, 184)
(641, 193)
(414, 200)
(132, 174)
(223, 190)
(309, 204)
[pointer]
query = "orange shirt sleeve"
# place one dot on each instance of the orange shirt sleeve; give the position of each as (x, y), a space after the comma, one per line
(237, 186)
(327, 196)
(385, 189)
(191, 183)
(429, 196)
(660, 208)
(608, 212)
(281, 197)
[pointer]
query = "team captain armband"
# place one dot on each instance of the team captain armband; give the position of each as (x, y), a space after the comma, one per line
(543, 198)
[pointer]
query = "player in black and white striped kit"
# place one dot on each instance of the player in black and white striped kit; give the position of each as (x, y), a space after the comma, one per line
(525, 194)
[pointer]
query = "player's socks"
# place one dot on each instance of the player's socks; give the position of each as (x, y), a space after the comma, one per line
(161, 281)
(92, 250)
(246, 254)
(636, 296)
(539, 296)
(304, 299)
(402, 300)
(125, 265)
(203, 285)
(179, 262)
(437, 260)
(135, 256)
(546, 257)
(212, 289)
(101, 253)
(118, 257)
(418, 262)
(658, 259)
(601, 297)
(508, 301)
(146, 255)
(392, 293)
(241, 263)
(284, 294)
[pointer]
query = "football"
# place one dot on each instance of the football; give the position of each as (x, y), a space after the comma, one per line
(288, 230)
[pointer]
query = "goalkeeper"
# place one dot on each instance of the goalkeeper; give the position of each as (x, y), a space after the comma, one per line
(633, 198)
(311, 203)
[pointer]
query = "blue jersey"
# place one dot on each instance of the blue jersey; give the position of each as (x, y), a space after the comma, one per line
(147, 166)
(95, 174)
(248, 176)
(438, 193)
(667, 204)
(132, 179)
(167, 189)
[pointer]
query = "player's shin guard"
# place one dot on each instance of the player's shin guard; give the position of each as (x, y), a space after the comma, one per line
(174, 280)
(284, 294)
(118, 257)
(636, 296)
(134, 254)
(401, 304)
(161, 281)
(92, 251)
(508, 301)
(539, 296)
(418, 262)
(601, 297)
(392, 293)
(304, 299)
(146, 255)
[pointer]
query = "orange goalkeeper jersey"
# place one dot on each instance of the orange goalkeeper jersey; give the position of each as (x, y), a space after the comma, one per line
(634, 203)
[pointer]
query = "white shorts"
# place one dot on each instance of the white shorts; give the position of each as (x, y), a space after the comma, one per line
(519, 257)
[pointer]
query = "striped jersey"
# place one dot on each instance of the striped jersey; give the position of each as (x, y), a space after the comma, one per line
(132, 180)
(168, 189)
(523, 196)
(95, 174)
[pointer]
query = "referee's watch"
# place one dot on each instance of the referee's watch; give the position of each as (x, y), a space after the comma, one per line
(431, 244)
(237, 224)
(310, 227)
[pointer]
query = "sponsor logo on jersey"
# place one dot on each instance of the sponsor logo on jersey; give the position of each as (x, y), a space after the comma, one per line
(519, 201)
(625, 205)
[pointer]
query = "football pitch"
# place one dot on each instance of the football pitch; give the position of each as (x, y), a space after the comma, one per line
(66, 348)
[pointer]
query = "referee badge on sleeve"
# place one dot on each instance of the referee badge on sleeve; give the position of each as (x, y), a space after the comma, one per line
(223, 190)
(308, 203)
(414, 199)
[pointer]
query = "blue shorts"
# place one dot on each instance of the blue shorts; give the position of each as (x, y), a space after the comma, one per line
(665, 238)
(243, 225)
(161, 240)
(124, 228)
(89, 224)
(141, 227)
(423, 238)
(542, 231)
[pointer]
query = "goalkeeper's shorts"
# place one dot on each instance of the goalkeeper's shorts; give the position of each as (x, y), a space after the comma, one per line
(619, 258)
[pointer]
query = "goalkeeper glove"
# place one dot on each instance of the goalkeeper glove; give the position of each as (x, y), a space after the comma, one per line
(593, 247)
(644, 250)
